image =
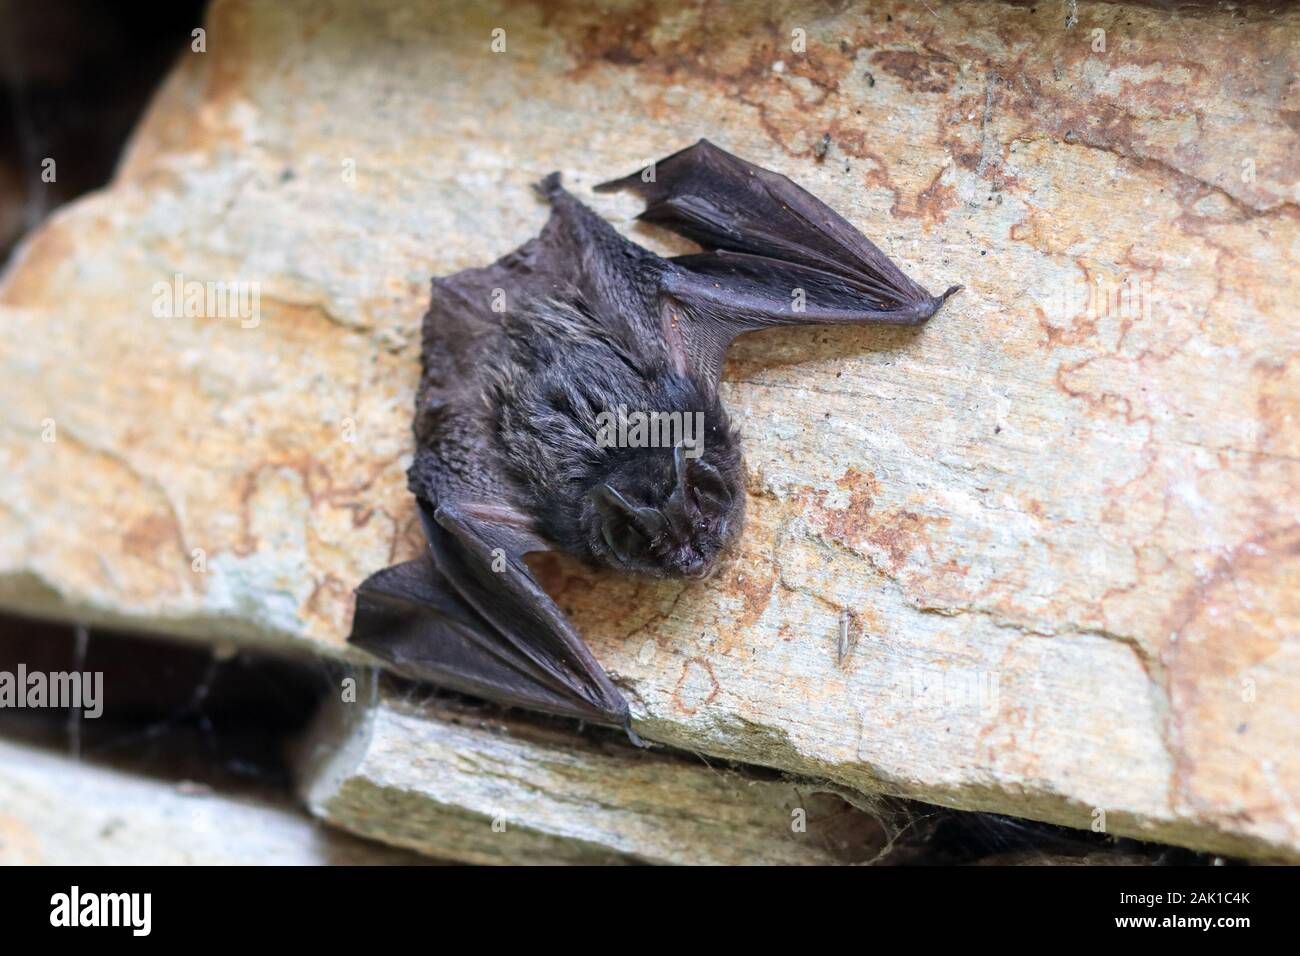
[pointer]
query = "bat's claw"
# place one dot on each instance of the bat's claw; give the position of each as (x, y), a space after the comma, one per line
(936, 303)
(632, 734)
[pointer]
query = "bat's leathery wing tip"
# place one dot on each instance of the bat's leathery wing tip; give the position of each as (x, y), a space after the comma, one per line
(618, 185)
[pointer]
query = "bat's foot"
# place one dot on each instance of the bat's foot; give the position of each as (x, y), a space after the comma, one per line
(632, 734)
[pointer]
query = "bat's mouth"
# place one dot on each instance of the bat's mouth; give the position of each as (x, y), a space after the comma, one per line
(703, 573)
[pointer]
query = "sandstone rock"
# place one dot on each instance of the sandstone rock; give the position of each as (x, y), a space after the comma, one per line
(1060, 520)
(460, 785)
(58, 812)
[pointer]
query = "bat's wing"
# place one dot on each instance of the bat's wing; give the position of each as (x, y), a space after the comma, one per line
(774, 254)
(410, 617)
(470, 615)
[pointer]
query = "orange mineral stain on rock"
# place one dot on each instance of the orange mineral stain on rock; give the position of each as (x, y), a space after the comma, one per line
(918, 72)
(696, 687)
(894, 533)
(155, 538)
(1232, 652)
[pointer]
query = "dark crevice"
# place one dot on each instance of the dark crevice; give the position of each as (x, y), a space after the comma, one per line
(175, 711)
(75, 76)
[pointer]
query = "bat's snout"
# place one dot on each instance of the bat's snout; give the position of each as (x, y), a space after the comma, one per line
(700, 570)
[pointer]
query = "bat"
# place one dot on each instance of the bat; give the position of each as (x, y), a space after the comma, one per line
(554, 408)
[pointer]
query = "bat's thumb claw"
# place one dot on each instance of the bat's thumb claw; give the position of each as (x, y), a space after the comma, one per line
(952, 290)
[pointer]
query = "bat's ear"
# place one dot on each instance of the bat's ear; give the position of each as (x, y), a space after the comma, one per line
(701, 485)
(627, 529)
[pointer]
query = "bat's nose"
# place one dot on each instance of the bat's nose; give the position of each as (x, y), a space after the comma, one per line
(698, 569)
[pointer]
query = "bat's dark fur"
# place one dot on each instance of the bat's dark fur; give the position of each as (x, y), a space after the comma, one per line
(519, 360)
(560, 368)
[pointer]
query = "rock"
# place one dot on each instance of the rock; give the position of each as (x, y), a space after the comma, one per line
(58, 812)
(458, 784)
(1060, 520)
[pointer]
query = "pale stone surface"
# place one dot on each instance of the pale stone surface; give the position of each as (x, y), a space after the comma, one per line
(1065, 530)
(58, 812)
(462, 785)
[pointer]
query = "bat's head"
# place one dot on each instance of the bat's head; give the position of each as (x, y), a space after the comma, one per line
(667, 514)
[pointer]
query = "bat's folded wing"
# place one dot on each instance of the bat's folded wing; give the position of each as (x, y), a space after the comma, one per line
(471, 616)
(774, 253)
(409, 617)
